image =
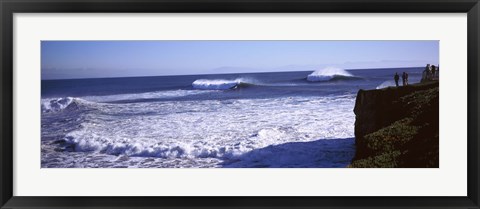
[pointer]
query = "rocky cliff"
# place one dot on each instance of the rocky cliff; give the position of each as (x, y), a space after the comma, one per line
(397, 127)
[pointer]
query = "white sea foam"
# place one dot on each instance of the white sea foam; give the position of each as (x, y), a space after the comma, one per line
(146, 95)
(193, 131)
(219, 84)
(386, 84)
(55, 104)
(327, 73)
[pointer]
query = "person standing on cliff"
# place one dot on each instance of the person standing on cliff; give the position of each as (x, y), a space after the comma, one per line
(404, 78)
(426, 73)
(434, 69)
(396, 77)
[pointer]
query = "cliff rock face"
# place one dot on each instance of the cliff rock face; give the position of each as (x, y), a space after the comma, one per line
(397, 127)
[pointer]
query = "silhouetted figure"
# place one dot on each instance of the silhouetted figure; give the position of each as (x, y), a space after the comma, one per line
(434, 69)
(426, 73)
(396, 77)
(404, 81)
(406, 78)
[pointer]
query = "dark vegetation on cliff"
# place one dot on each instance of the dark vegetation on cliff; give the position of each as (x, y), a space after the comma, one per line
(397, 127)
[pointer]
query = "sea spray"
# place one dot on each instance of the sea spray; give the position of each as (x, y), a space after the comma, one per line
(328, 73)
(386, 84)
(279, 120)
(212, 130)
(55, 104)
(219, 84)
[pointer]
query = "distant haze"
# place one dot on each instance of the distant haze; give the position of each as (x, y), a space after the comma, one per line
(95, 59)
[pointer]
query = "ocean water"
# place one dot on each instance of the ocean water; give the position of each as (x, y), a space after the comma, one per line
(254, 120)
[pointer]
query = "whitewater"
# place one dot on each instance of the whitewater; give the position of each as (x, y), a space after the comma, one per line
(276, 120)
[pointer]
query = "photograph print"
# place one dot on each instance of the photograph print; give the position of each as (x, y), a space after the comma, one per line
(239, 104)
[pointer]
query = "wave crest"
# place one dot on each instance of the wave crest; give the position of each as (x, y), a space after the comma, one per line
(219, 84)
(166, 94)
(83, 140)
(328, 73)
(386, 84)
(55, 105)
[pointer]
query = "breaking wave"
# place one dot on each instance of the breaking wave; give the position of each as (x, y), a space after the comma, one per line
(204, 130)
(386, 84)
(83, 140)
(145, 95)
(57, 104)
(329, 73)
(220, 84)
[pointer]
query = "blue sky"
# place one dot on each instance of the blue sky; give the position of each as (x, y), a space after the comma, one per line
(93, 59)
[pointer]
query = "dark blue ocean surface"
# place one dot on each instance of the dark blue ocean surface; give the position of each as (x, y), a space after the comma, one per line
(257, 85)
(281, 119)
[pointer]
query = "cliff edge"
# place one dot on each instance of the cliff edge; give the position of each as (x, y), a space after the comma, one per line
(397, 127)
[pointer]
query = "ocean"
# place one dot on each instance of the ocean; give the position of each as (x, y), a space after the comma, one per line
(245, 120)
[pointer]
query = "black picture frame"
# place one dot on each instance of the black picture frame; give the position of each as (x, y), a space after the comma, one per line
(9, 7)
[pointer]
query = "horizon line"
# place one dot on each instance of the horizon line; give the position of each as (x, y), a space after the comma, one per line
(216, 74)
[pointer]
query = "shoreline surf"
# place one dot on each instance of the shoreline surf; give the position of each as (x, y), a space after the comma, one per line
(235, 120)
